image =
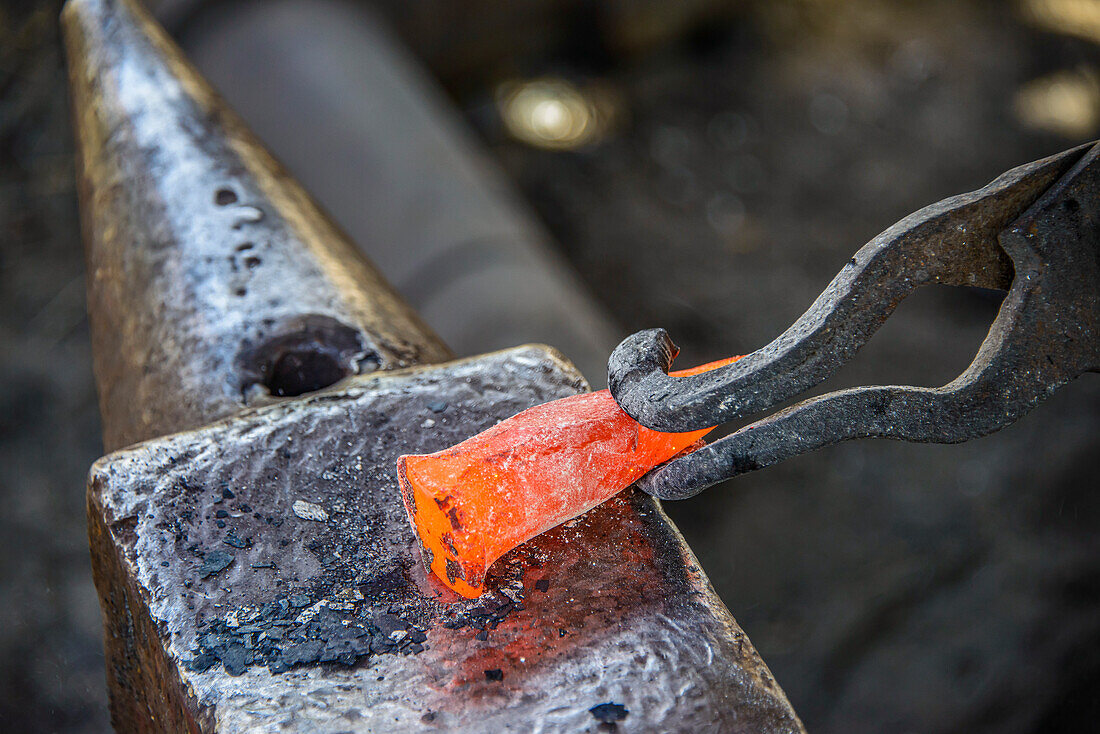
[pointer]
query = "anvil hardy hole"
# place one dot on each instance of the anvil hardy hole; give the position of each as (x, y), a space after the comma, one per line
(295, 373)
(306, 354)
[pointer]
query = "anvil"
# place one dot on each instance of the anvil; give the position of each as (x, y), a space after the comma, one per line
(258, 379)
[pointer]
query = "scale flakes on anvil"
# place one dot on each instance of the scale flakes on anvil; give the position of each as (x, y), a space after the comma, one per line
(298, 621)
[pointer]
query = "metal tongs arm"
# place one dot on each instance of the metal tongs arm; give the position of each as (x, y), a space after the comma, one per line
(1034, 231)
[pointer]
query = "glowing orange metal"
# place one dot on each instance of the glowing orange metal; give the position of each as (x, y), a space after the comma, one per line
(472, 503)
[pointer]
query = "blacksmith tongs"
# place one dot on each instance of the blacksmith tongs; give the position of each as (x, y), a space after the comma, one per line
(1034, 231)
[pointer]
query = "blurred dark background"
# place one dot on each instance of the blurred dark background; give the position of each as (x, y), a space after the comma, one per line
(706, 166)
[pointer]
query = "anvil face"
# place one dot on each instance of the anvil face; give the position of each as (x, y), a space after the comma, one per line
(273, 556)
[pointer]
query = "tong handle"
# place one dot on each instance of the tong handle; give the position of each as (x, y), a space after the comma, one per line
(1046, 334)
(953, 242)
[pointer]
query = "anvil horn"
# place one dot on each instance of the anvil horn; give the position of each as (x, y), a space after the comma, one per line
(213, 278)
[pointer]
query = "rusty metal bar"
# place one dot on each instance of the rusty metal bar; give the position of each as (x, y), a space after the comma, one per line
(255, 567)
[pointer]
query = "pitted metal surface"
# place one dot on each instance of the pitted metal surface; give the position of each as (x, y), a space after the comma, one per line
(611, 607)
(207, 255)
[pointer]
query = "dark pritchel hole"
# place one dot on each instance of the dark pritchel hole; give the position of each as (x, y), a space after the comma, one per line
(225, 197)
(245, 246)
(305, 354)
(241, 292)
(295, 373)
(252, 262)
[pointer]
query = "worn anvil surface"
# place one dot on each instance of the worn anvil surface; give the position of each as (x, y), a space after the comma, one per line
(254, 563)
(333, 625)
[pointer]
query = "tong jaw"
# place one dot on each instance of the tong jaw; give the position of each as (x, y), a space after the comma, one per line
(1046, 333)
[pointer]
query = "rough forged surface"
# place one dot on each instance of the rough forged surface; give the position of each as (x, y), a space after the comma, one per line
(276, 564)
(473, 502)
